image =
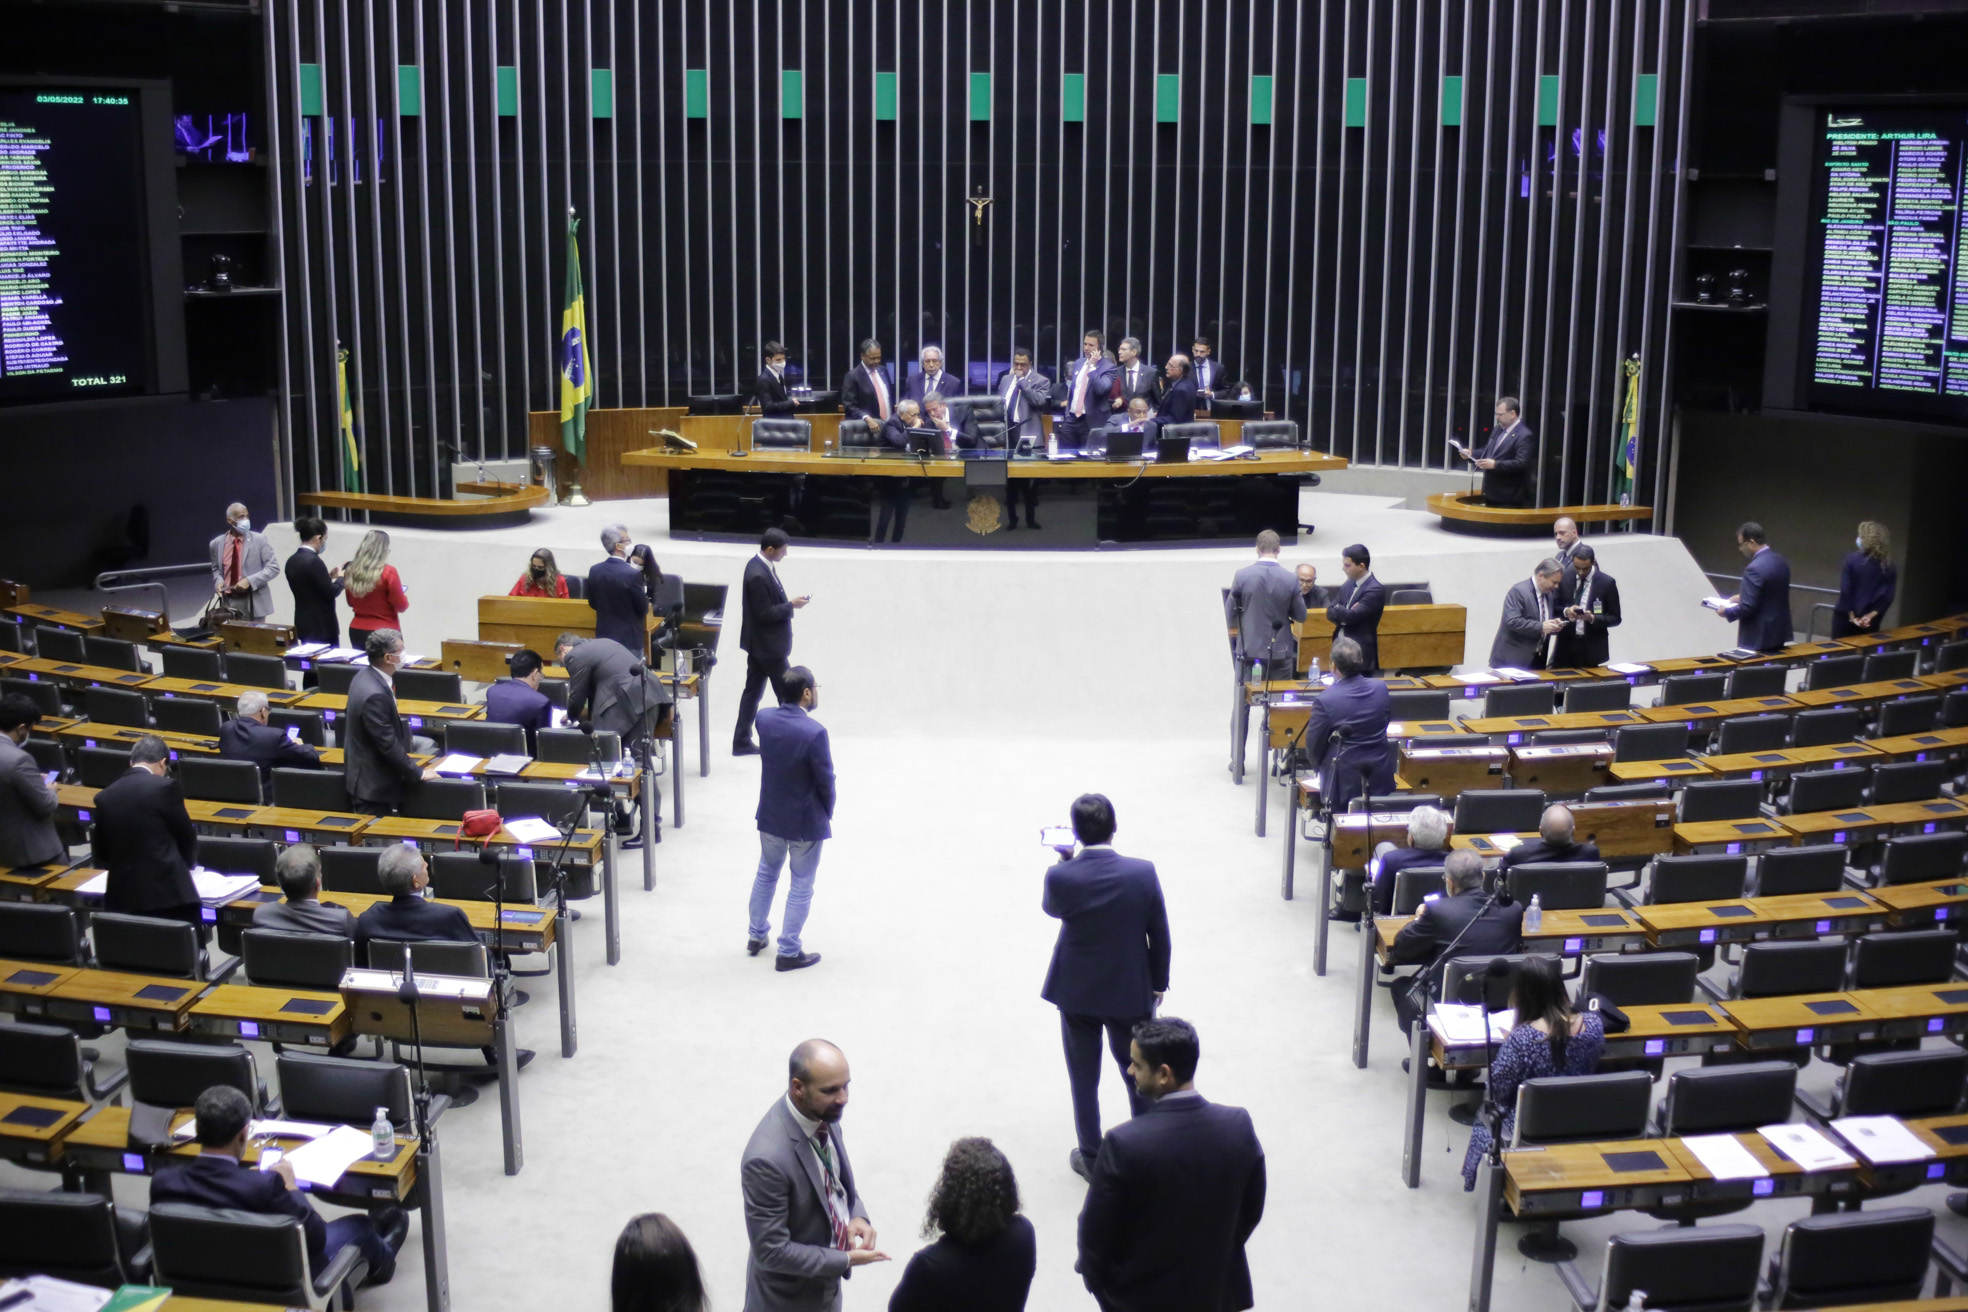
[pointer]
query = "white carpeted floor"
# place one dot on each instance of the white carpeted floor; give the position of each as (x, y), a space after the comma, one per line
(970, 697)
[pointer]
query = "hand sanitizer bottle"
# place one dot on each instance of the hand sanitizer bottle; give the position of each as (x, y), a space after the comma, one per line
(1534, 916)
(382, 1137)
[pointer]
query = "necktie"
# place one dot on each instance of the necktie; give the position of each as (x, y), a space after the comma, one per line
(1130, 386)
(1011, 398)
(1080, 388)
(830, 1185)
(881, 391)
(232, 564)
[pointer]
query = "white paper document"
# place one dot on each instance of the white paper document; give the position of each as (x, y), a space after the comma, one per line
(308, 649)
(1881, 1140)
(324, 1161)
(507, 763)
(1478, 676)
(261, 1129)
(457, 763)
(1629, 667)
(1805, 1146)
(532, 829)
(1724, 1157)
(1503, 842)
(215, 889)
(1461, 1025)
(1512, 672)
(97, 886)
(1715, 603)
(335, 655)
(47, 1294)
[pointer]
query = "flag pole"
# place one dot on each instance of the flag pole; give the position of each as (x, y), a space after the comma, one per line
(577, 381)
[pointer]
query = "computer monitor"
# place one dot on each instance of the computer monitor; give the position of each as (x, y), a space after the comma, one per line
(1123, 446)
(1172, 450)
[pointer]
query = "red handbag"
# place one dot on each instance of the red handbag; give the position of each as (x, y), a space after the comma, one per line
(478, 824)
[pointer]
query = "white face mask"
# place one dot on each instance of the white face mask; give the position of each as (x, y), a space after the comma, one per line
(242, 525)
(1858, 543)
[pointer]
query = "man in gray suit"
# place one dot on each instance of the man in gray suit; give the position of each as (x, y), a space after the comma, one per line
(27, 801)
(609, 688)
(376, 744)
(302, 912)
(1264, 603)
(1530, 611)
(243, 565)
(804, 1216)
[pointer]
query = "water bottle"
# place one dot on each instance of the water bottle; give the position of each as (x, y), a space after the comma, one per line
(1534, 916)
(1636, 1301)
(1314, 672)
(382, 1135)
(1052, 448)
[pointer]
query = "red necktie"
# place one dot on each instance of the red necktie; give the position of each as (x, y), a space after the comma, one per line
(233, 550)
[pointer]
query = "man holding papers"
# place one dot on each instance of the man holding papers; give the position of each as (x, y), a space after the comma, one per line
(1762, 609)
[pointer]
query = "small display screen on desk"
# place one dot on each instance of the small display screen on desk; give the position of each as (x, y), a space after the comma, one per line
(1687, 1018)
(160, 993)
(38, 1117)
(1769, 758)
(307, 1006)
(1830, 1007)
(1732, 912)
(1626, 1163)
(231, 813)
(31, 978)
(1951, 1134)
(1603, 921)
(1754, 829)
(1845, 903)
(1953, 997)
(1852, 817)
(337, 821)
(204, 687)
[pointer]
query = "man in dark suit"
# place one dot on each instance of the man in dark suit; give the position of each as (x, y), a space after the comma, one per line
(144, 839)
(1179, 397)
(610, 689)
(1133, 376)
(301, 910)
(1110, 965)
(868, 392)
(219, 1177)
(376, 744)
(1589, 602)
(1565, 537)
(1506, 458)
(1316, 597)
(618, 594)
(1213, 377)
(795, 816)
(1347, 735)
(1428, 844)
(27, 800)
(804, 1216)
(247, 736)
(1356, 607)
(1139, 418)
(1176, 1193)
(896, 492)
(1530, 620)
(1762, 609)
(932, 378)
(1088, 384)
(1264, 603)
(765, 634)
(314, 585)
(959, 427)
(770, 388)
(1491, 930)
(1024, 392)
(1556, 830)
(517, 699)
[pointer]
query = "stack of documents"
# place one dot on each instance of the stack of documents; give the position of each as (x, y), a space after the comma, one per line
(1478, 676)
(324, 1160)
(215, 889)
(532, 829)
(339, 655)
(457, 763)
(1804, 1145)
(1512, 672)
(1629, 667)
(1461, 1024)
(305, 649)
(1715, 603)
(1881, 1140)
(507, 763)
(1724, 1157)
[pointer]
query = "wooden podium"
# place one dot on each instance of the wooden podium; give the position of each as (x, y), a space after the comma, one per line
(257, 637)
(536, 621)
(1411, 637)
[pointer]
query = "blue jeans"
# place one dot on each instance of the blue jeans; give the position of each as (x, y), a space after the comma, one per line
(361, 1231)
(773, 851)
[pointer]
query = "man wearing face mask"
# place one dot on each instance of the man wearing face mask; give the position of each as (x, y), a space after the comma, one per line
(376, 744)
(243, 565)
(618, 594)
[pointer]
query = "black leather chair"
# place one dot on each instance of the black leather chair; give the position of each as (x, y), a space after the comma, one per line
(1888, 960)
(239, 856)
(1402, 803)
(1919, 858)
(116, 706)
(1925, 1082)
(1653, 788)
(1509, 699)
(167, 1075)
(1553, 737)
(1750, 733)
(1722, 1100)
(1410, 597)
(198, 663)
(1560, 885)
(467, 960)
(311, 790)
(45, 696)
(1784, 967)
(1951, 656)
(335, 678)
(1270, 434)
(11, 638)
(186, 715)
(1906, 781)
(429, 686)
(338, 1091)
(1650, 742)
(1883, 665)
(1612, 695)
(1819, 868)
(47, 754)
(1499, 810)
(780, 434)
(1954, 709)
(474, 739)
(1833, 724)
(1417, 704)
(1704, 878)
(1852, 1257)
(60, 645)
(47, 1061)
(248, 1257)
(212, 780)
(442, 799)
(99, 767)
(1576, 1109)
(1486, 980)
(313, 726)
(278, 958)
(1413, 885)
(1201, 434)
(462, 877)
(1686, 689)
(113, 654)
(1721, 799)
(254, 670)
(40, 931)
(1712, 1269)
(1834, 672)
(1908, 715)
(83, 1238)
(147, 945)
(989, 413)
(572, 747)
(1641, 979)
(350, 869)
(1825, 790)
(550, 802)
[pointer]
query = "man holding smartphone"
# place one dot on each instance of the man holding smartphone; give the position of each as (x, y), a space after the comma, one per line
(27, 799)
(1110, 965)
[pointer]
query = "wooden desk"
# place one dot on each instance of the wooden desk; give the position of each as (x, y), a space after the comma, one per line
(1675, 771)
(434, 836)
(537, 622)
(288, 825)
(1934, 745)
(484, 662)
(25, 986)
(1916, 1010)
(1919, 906)
(87, 734)
(510, 500)
(333, 704)
(1782, 762)
(68, 674)
(54, 617)
(134, 1002)
(225, 694)
(1562, 769)
(1513, 728)
(102, 1143)
(1731, 836)
(130, 624)
(1866, 823)
(1802, 1020)
(1622, 830)
(1450, 771)
(1411, 637)
(1355, 835)
(32, 1129)
(272, 1015)
(527, 928)
(28, 883)
(1474, 682)
(1694, 714)
(1466, 512)
(1798, 653)
(222, 819)
(1947, 681)
(1740, 920)
(1861, 694)
(818, 464)
(1654, 671)
(256, 637)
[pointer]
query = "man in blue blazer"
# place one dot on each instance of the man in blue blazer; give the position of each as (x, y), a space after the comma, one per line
(1356, 607)
(617, 594)
(795, 814)
(1506, 458)
(248, 737)
(1088, 386)
(1110, 965)
(868, 391)
(1179, 395)
(1762, 609)
(1177, 1192)
(1347, 737)
(217, 1177)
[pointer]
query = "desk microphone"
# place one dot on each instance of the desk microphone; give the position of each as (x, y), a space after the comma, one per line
(406, 992)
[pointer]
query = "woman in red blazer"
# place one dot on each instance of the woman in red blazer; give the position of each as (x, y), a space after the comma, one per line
(541, 579)
(375, 593)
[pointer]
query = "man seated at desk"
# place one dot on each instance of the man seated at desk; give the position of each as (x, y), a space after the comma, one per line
(1428, 844)
(1492, 930)
(1137, 419)
(301, 911)
(517, 699)
(1553, 843)
(217, 1177)
(959, 429)
(248, 736)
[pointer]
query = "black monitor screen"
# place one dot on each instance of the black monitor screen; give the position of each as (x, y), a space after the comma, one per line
(1888, 259)
(74, 312)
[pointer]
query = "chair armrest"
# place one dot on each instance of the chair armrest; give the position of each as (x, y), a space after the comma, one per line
(348, 1265)
(140, 1263)
(1714, 994)
(1584, 1296)
(100, 1087)
(1620, 895)
(1949, 1267)
(439, 1104)
(1814, 1107)
(225, 972)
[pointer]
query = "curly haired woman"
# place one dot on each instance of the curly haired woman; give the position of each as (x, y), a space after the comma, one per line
(985, 1257)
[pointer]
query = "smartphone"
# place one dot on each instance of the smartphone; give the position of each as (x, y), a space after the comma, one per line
(293, 733)
(1056, 836)
(270, 1157)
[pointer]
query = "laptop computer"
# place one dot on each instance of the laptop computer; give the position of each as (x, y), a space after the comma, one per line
(1123, 446)
(1171, 450)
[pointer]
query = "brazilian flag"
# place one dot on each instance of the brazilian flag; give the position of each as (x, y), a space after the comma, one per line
(1626, 468)
(577, 377)
(351, 449)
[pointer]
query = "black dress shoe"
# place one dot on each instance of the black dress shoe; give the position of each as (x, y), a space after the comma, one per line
(1030, 522)
(633, 843)
(754, 946)
(1081, 1166)
(1958, 1204)
(800, 962)
(524, 1058)
(392, 1224)
(744, 749)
